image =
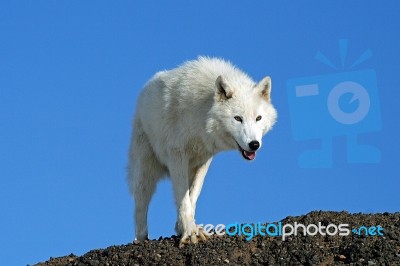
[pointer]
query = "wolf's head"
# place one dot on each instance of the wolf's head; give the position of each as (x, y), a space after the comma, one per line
(243, 114)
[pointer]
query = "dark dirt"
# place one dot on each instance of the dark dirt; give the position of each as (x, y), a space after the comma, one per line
(352, 249)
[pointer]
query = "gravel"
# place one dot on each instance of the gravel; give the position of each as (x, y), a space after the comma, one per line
(352, 249)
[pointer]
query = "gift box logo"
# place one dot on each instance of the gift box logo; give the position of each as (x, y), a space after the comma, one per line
(337, 104)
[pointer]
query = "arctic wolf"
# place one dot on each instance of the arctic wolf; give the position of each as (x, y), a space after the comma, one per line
(184, 116)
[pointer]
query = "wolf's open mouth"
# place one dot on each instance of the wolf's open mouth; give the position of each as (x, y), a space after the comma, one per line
(248, 155)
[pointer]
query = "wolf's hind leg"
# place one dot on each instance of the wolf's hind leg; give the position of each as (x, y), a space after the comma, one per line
(144, 171)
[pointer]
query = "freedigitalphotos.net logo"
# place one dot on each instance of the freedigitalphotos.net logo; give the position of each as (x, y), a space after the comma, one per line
(342, 103)
(286, 230)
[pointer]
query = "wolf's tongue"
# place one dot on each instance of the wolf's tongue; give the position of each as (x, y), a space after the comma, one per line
(249, 155)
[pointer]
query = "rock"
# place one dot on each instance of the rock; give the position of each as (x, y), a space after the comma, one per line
(262, 250)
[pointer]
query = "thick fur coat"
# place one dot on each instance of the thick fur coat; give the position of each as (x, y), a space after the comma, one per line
(183, 117)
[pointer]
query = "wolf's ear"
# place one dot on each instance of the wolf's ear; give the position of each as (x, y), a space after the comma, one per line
(224, 91)
(264, 87)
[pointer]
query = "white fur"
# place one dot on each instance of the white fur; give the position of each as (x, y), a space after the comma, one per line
(184, 116)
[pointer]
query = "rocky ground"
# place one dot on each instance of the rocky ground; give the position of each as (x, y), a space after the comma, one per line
(236, 250)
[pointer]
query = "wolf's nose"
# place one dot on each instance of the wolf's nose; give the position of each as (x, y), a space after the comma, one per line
(254, 145)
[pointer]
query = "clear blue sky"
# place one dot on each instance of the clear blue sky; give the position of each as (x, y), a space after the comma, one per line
(70, 73)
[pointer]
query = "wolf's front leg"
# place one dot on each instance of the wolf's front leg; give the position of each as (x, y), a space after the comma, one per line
(196, 183)
(185, 225)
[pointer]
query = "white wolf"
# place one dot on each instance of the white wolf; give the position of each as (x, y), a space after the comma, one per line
(184, 116)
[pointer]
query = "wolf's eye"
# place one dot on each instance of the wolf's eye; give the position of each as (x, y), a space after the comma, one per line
(238, 118)
(258, 118)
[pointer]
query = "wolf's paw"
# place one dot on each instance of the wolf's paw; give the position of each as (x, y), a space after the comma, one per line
(195, 237)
